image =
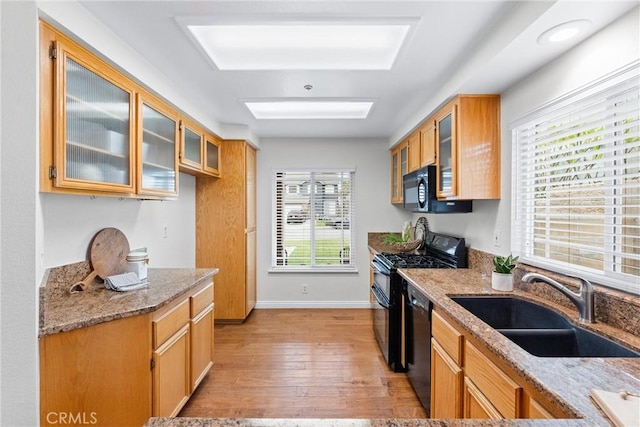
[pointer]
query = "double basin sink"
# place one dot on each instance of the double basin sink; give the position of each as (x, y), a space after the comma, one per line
(539, 330)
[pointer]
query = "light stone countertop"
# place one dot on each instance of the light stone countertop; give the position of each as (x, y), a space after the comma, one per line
(352, 422)
(564, 381)
(62, 311)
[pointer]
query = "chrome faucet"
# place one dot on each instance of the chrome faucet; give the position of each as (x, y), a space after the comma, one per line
(583, 299)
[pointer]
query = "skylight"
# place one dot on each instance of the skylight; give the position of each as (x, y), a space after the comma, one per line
(312, 46)
(309, 109)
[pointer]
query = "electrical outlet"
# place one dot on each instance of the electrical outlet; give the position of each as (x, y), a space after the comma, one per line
(497, 238)
(165, 231)
(305, 288)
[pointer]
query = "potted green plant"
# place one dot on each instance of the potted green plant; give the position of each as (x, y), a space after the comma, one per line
(502, 275)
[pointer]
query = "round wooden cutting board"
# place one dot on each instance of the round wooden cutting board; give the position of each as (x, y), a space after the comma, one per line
(107, 254)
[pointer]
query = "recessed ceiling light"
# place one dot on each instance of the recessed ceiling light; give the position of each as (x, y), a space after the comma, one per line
(309, 109)
(308, 46)
(563, 32)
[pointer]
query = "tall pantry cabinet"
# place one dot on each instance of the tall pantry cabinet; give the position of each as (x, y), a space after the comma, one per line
(226, 230)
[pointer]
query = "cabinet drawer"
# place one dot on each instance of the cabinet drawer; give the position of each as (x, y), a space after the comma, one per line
(170, 322)
(201, 300)
(448, 337)
(500, 390)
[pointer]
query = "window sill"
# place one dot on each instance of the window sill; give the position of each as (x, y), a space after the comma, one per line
(315, 270)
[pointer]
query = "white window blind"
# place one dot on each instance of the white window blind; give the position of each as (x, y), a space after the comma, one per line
(576, 184)
(313, 225)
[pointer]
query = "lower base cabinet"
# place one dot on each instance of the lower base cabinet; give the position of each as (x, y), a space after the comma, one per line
(122, 372)
(467, 382)
(446, 377)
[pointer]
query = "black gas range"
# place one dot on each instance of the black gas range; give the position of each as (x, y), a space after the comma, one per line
(389, 291)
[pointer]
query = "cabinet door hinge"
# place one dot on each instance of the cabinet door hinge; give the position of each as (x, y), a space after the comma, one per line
(53, 173)
(53, 52)
(181, 126)
(153, 364)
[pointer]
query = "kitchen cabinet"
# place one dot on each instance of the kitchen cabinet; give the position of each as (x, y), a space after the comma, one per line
(122, 372)
(446, 377)
(226, 231)
(468, 381)
(91, 147)
(399, 167)
(102, 133)
(171, 343)
(428, 143)
(212, 153)
(199, 150)
(414, 154)
(446, 373)
(158, 136)
(468, 148)
(191, 153)
(202, 333)
(502, 393)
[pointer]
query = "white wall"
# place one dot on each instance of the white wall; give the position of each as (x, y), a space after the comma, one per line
(611, 48)
(71, 221)
(45, 230)
(20, 206)
(370, 158)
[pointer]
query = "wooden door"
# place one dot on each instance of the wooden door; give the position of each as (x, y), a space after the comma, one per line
(158, 142)
(476, 405)
(212, 155)
(94, 122)
(446, 152)
(191, 146)
(428, 144)
(414, 152)
(446, 384)
(171, 381)
(201, 345)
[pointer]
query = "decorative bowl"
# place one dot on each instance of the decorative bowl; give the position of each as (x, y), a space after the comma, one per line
(409, 246)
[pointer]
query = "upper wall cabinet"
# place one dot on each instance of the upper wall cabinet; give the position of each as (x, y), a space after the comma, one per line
(199, 150)
(158, 151)
(101, 133)
(93, 124)
(212, 153)
(428, 143)
(191, 146)
(399, 167)
(414, 151)
(468, 148)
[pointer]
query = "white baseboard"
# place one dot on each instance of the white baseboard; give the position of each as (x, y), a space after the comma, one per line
(313, 304)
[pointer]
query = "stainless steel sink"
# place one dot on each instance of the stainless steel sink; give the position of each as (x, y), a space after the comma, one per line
(539, 330)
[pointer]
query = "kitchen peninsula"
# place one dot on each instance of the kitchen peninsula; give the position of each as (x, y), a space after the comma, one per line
(118, 358)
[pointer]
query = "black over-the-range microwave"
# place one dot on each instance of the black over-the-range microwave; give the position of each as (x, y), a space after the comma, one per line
(419, 194)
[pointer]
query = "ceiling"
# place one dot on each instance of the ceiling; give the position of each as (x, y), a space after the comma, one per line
(454, 47)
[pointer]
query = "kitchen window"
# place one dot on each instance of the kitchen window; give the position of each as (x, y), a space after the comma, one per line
(313, 228)
(576, 183)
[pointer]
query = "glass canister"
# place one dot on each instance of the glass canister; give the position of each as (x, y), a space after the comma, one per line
(137, 263)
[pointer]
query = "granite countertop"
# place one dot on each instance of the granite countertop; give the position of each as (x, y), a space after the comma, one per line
(566, 382)
(351, 422)
(62, 311)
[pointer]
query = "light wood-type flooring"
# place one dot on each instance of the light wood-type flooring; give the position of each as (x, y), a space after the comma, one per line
(302, 363)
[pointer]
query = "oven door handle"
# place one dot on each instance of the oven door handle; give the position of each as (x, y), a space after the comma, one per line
(379, 296)
(379, 268)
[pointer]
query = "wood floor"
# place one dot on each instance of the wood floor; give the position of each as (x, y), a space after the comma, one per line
(307, 363)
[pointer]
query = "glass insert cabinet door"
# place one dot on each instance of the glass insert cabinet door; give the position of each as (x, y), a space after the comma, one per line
(212, 155)
(94, 127)
(158, 136)
(446, 154)
(191, 147)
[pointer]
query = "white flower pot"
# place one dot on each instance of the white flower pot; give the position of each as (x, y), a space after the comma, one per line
(502, 281)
